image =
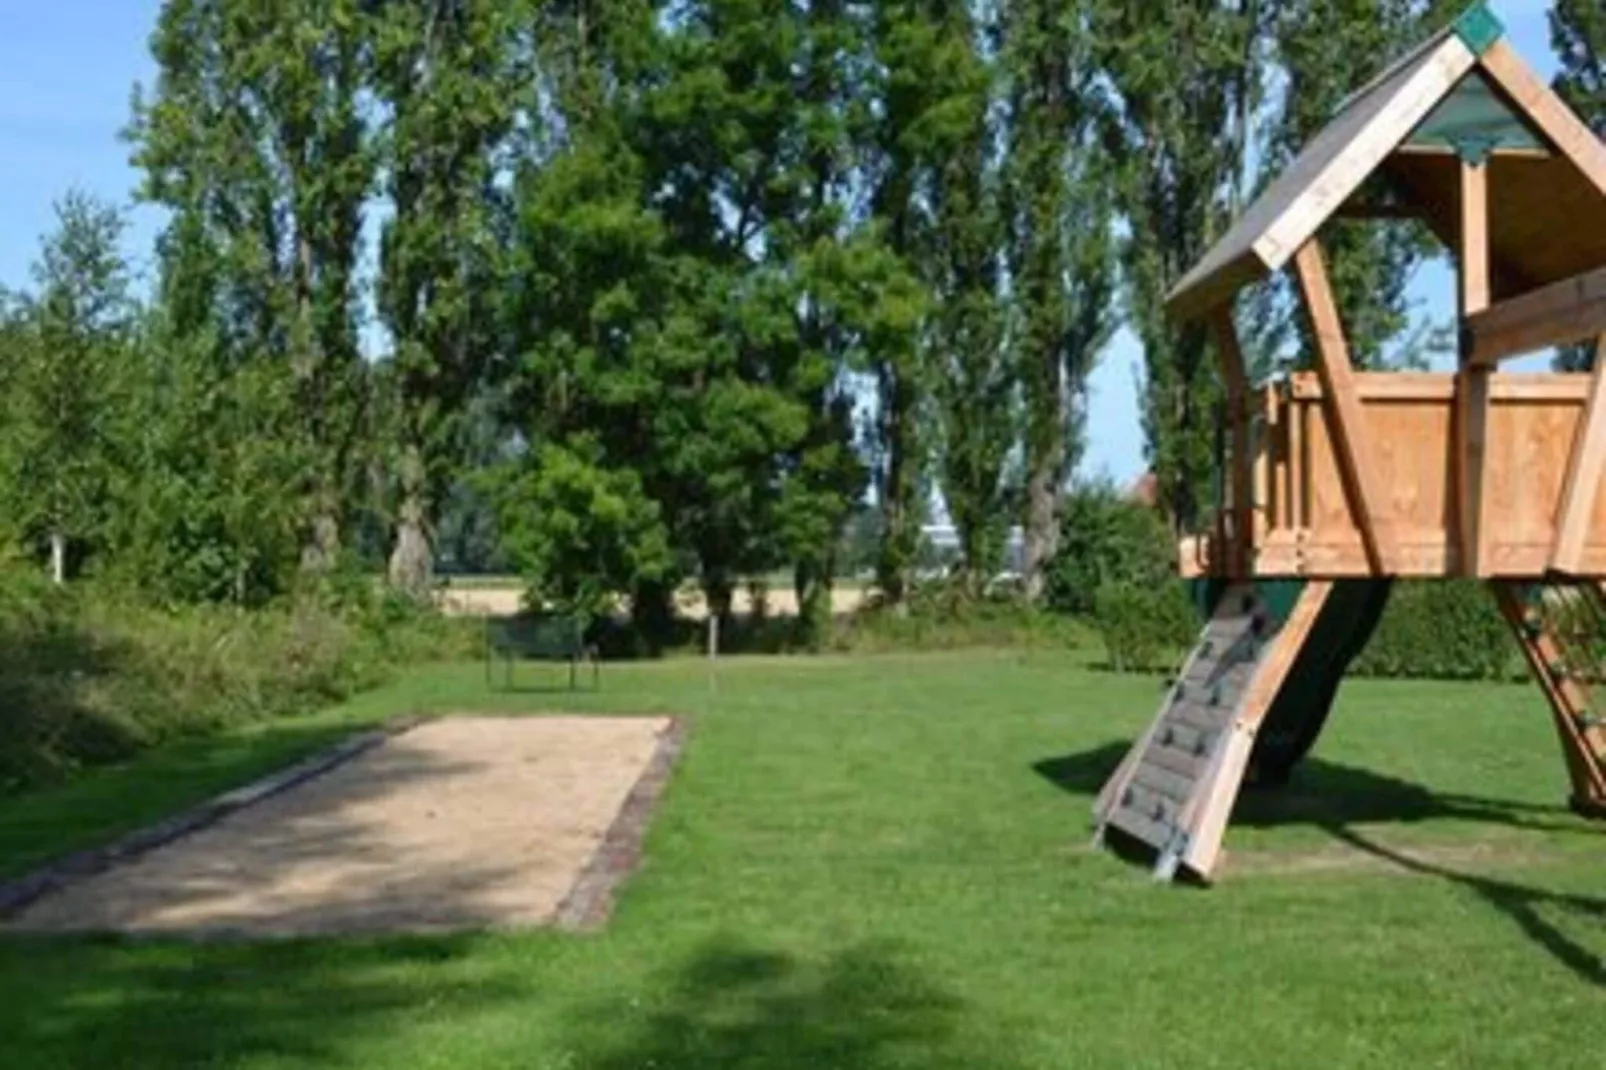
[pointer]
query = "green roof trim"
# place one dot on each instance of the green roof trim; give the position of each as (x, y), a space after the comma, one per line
(1479, 28)
(1474, 120)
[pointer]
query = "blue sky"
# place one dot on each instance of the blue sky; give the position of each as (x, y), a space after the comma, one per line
(67, 69)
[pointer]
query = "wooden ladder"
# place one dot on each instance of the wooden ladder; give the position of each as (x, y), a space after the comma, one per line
(1561, 627)
(1175, 789)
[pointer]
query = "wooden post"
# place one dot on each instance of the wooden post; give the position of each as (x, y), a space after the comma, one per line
(1585, 467)
(1346, 420)
(1236, 379)
(1472, 381)
(713, 651)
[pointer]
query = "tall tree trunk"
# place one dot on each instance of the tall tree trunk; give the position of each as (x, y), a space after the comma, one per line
(652, 614)
(812, 582)
(1042, 535)
(411, 559)
(900, 488)
(321, 551)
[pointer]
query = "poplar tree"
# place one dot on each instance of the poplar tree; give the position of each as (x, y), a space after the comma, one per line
(1186, 80)
(449, 76)
(256, 140)
(1060, 249)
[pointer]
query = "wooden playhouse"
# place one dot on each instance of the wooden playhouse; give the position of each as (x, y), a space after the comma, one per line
(1338, 482)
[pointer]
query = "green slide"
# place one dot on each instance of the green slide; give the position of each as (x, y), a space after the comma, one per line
(1300, 709)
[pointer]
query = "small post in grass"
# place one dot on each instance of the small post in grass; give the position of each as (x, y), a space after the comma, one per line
(713, 651)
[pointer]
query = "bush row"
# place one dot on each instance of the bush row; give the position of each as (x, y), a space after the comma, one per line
(1442, 631)
(88, 676)
(1449, 630)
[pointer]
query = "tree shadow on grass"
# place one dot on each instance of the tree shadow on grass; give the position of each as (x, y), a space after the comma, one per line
(1523, 904)
(113, 1003)
(1334, 797)
(731, 1005)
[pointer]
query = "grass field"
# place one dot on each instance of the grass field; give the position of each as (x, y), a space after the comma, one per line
(882, 863)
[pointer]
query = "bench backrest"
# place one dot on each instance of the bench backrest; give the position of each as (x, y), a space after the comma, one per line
(545, 635)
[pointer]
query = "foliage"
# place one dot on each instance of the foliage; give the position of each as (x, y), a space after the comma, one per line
(578, 532)
(947, 615)
(1107, 539)
(65, 354)
(450, 78)
(1187, 82)
(1144, 628)
(1060, 249)
(90, 675)
(1578, 34)
(1448, 630)
(256, 141)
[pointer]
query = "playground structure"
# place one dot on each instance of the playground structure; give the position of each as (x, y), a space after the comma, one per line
(1338, 482)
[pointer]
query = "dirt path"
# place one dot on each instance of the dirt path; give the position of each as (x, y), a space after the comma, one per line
(458, 823)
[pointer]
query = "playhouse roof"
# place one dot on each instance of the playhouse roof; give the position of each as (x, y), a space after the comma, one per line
(1463, 94)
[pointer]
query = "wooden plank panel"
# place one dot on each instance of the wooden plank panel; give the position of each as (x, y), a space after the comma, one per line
(1440, 386)
(1204, 718)
(1163, 781)
(1585, 467)
(1179, 757)
(1141, 827)
(1524, 470)
(1343, 407)
(1151, 804)
(1564, 312)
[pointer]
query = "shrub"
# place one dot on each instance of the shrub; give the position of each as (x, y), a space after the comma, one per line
(89, 676)
(1144, 628)
(941, 616)
(1448, 630)
(1107, 539)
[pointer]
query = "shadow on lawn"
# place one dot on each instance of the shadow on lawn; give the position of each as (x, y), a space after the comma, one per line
(736, 1006)
(1524, 905)
(1327, 794)
(1334, 797)
(107, 1002)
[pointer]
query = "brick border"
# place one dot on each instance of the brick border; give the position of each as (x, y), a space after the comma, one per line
(589, 903)
(19, 892)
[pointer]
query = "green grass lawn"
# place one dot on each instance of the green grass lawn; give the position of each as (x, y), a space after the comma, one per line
(882, 863)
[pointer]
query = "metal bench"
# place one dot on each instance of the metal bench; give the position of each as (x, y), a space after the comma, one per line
(538, 637)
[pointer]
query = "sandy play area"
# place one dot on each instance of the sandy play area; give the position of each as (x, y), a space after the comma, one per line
(458, 823)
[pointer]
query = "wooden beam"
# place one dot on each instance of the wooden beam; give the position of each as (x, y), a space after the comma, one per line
(1345, 418)
(1387, 387)
(1564, 312)
(1472, 383)
(1559, 123)
(1236, 378)
(1585, 467)
(1199, 301)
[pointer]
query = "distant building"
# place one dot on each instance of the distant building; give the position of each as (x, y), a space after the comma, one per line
(1145, 490)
